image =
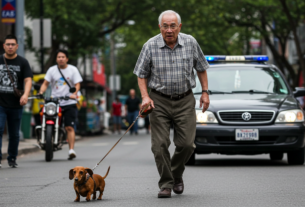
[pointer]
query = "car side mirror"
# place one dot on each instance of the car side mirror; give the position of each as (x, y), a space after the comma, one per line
(37, 87)
(299, 91)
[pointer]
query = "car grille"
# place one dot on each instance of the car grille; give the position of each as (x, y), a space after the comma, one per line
(236, 116)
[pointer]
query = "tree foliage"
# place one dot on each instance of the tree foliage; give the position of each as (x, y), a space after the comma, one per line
(221, 27)
(79, 26)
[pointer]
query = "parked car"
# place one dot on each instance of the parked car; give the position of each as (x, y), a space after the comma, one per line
(252, 111)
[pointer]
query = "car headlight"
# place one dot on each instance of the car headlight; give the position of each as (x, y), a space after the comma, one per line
(290, 116)
(206, 117)
(50, 109)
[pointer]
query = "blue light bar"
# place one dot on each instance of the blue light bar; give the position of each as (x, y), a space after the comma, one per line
(239, 58)
(215, 58)
(257, 58)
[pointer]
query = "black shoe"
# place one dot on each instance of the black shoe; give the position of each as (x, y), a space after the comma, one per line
(12, 163)
(136, 133)
(0, 164)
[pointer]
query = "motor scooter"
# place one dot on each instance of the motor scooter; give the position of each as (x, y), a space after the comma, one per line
(51, 135)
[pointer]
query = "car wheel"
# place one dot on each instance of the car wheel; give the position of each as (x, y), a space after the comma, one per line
(192, 160)
(296, 157)
(276, 155)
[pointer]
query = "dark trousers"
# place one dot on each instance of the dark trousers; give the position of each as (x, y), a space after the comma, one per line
(182, 114)
(131, 116)
(13, 118)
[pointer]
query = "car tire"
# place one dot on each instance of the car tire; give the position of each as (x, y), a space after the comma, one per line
(296, 157)
(276, 155)
(192, 160)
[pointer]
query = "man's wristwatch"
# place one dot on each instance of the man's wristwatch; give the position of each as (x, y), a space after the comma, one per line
(206, 91)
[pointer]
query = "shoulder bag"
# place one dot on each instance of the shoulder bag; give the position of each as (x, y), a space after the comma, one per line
(72, 89)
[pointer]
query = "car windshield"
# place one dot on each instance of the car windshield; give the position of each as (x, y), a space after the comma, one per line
(243, 80)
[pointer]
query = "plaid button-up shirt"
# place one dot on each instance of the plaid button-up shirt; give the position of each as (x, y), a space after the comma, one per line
(170, 71)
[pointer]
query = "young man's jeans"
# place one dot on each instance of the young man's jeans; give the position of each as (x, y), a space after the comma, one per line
(131, 116)
(13, 118)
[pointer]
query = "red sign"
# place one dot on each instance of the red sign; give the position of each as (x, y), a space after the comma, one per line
(98, 71)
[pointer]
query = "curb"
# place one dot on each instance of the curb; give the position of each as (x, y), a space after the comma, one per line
(34, 148)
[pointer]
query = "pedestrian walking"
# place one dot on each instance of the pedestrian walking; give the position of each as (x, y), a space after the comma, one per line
(15, 86)
(166, 65)
(117, 115)
(132, 107)
(58, 75)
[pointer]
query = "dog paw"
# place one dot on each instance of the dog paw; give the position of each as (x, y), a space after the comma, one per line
(87, 200)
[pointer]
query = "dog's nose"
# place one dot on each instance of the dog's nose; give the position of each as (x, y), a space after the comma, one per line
(76, 179)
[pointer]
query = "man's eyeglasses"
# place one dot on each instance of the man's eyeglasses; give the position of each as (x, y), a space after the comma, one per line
(11, 44)
(166, 27)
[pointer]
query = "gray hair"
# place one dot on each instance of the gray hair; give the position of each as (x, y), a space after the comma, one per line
(169, 12)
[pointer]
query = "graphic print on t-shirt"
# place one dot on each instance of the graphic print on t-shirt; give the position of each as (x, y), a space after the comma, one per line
(6, 86)
(61, 82)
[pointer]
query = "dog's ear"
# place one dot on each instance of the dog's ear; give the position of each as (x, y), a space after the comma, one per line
(71, 174)
(89, 171)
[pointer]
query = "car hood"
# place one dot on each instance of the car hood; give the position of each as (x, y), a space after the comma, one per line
(250, 102)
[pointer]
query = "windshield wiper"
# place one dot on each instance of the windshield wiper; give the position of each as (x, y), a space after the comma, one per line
(216, 92)
(253, 91)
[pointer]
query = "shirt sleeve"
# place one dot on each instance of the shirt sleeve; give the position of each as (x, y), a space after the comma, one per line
(27, 70)
(200, 63)
(77, 78)
(48, 76)
(143, 65)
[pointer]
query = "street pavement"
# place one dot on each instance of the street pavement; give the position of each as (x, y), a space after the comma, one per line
(215, 180)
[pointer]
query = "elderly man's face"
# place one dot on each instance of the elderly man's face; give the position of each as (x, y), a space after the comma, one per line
(170, 28)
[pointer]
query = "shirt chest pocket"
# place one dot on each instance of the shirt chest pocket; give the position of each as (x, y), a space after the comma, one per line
(186, 65)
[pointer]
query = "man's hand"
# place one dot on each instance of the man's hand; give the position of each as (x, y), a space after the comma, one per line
(147, 101)
(205, 101)
(73, 96)
(23, 100)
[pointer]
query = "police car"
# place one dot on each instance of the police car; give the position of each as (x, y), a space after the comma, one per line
(252, 111)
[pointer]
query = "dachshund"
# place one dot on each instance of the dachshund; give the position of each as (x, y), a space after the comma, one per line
(87, 183)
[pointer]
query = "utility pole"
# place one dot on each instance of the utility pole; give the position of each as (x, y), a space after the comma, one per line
(41, 37)
(112, 63)
(19, 26)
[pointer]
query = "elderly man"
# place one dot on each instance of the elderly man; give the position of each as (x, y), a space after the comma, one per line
(166, 65)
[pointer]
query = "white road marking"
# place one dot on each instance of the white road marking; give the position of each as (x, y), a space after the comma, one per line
(130, 143)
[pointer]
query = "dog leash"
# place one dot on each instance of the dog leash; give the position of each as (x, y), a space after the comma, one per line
(146, 107)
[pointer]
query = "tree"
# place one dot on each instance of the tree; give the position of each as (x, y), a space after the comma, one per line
(266, 17)
(79, 26)
(213, 34)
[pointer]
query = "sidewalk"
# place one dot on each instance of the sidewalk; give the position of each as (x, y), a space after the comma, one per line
(25, 146)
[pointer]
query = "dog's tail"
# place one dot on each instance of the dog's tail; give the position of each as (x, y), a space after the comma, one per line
(107, 173)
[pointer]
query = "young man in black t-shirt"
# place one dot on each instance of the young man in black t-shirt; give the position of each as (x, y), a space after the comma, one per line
(132, 109)
(17, 73)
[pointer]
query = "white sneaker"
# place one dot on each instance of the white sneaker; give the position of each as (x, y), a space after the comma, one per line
(72, 154)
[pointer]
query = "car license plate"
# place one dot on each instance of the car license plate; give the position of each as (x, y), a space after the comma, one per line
(246, 134)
